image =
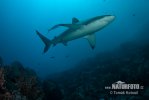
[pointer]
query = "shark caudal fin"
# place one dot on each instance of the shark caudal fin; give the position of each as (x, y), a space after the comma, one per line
(45, 40)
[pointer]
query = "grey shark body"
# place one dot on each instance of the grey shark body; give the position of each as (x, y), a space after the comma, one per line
(77, 30)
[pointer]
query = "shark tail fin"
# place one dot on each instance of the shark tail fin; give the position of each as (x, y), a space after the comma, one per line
(45, 40)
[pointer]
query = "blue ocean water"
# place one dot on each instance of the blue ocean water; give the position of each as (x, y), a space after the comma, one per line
(20, 18)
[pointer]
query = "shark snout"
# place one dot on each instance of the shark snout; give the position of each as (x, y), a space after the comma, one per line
(111, 18)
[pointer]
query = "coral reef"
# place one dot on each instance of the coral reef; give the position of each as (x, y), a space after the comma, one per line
(19, 83)
(4, 93)
(87, 81)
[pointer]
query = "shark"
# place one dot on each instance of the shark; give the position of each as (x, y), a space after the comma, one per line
(78, 29)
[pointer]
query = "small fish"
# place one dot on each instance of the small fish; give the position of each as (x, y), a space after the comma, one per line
(52, 57)
(67, 56)
(133, 14)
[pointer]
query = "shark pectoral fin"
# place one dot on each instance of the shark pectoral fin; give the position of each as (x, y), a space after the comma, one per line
(92, 40)
(74, 20)
(58, 25)
(72, 26)
(54, 27)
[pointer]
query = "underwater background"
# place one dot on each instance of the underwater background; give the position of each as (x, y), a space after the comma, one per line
(73, 72)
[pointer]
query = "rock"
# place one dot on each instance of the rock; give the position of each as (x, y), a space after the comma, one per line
(52, 91)
(130, 64)
(146, 94)
(1, 62)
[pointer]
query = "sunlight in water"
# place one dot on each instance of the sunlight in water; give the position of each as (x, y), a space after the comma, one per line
(65, 3)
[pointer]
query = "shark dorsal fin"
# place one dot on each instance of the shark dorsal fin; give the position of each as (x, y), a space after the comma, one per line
(74, 20)
(91, 39)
